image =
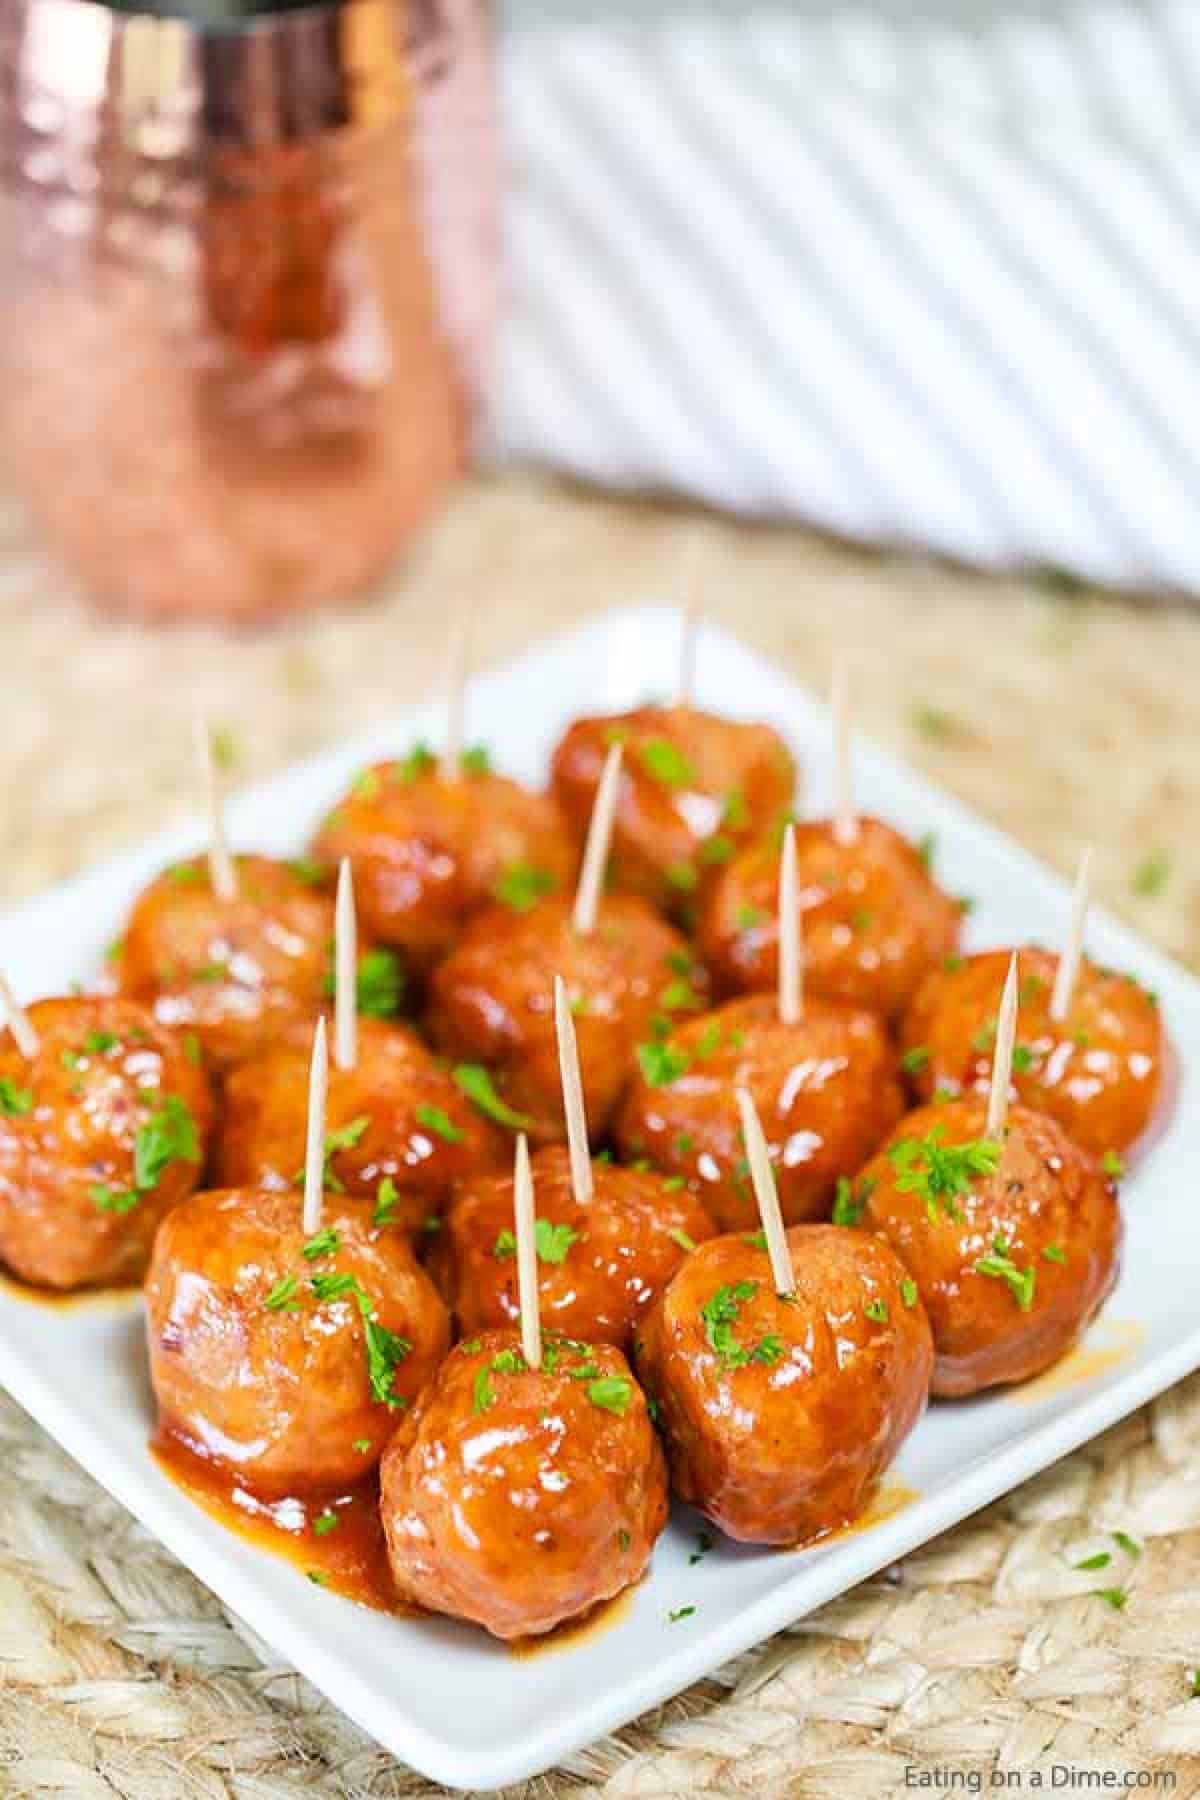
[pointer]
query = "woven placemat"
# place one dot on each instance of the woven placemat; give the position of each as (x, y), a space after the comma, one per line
(982, 1660)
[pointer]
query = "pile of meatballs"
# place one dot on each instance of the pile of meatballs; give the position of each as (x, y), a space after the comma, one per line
(155, 1129)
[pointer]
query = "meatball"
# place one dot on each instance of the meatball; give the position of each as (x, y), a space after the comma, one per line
(236, 972)
(874, 922)
(427, 853)
(287, 1360)
(399, 1130)
(520, 1498)
(599, 1265)
(826, 1089)
(492, 1000)
(693, 788)
(1013, 1246)
(780, 1412)
(101, 1133)
(1102, 1072)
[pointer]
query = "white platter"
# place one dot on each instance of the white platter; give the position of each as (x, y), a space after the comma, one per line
(444, 1698)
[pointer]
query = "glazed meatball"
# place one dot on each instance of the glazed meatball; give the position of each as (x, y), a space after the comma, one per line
(1013, 1245)
(518, 1498)
(599, 1265)
(492, 1001)
(427, 852)
(101, 1133)
(693, 788)
(873, 921)
(826, 1089)
(236, 972)
(399, 1130)
(284, 1358)
(781, 1412)
(1103, 1072)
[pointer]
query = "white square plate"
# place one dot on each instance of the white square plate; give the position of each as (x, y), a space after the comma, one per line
(443, 1697)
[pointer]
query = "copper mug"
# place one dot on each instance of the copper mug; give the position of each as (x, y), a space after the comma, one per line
(248, 279)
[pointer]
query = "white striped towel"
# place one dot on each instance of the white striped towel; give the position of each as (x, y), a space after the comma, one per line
(921, 271)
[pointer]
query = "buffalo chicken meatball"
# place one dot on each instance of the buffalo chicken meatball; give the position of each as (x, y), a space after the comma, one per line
(398, 1128)
(780, 1412)
(1102, 1071)
(1013, 1244)
(285, 1358)
(102, 1131)
(693, 788)
(236, 972)
(826, 1089)
(428, 852)
(600, 1264)
(521, 1498)
(492, 1001)
(873, 922)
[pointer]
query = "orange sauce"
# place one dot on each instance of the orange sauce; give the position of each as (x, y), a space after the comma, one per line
(348, 1556)
(1109, 1343)
(577, 1631)
(889, 1498)
(59, 1300)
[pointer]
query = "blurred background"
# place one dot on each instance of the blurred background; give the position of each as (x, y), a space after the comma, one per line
(316, 320)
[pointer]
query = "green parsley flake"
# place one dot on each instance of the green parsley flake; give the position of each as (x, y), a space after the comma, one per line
(1054, 1253)
(749, 918)
(914, 1060)
(419, 760)
(848, 1206)
(953, 962)
(926, 848)
(680, 996)
(476, 760)
(380, 984)
(476, 1083)
(661, 1064)
(720, 1315)
(186, 874)
(1150, 878)
(661, 759)
(308, 870)
(192, 1050)
(1117, 1598)
(612, 1393)
(704, 1544)
(98, 1043)
(717, 849)
(623, 1540)
(734, 812)
(386, 1201)
(1023, 1058)
(680, 1237)
(522, 885)
(940, 1172)
(553, 1241)
(505, 1245)
(15, 1101)
(908, 1292)
(436, 1120)
(682, 876)
(999, 1265)
(113, 1200)
(343, 1137)
(1130, 1545)
(680, 1612)
(281, 1297)
(168, 1135)
(326, 1522)
(1101, 1560)
(362, 1446)
(876, 1311)
(386, 1350)
(325, 1243)
(1112, 1164)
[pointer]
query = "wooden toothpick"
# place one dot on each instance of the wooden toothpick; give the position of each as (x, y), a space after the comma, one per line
(314, 1154)
(689, 628)
(767, 1195)
(599, 838)
(582, 1183)
(456, 688)
(19, 1022)
(345, 971)
(525, 1227)
(845, 818)
(791, 964)
(1006, 1032)
(1072, 951)
(221, 869)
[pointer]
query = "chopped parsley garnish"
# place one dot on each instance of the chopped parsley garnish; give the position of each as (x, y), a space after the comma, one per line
(282, 1296)
(167, 1136)
(926, 846)
(953, 962)
(113, 1200)
(553, 1241)
(1023, 1058)
(847, 1205)
(1101, 1560)
(1130, 1545)
(623, 1540)
(661, 759)
(476, 1083)
(1151, 876)
(673, 1183)
(680, 1612)
(96, 1043)
(1117, 1598)
(419, 760)
(1030, 990)
(308, 870)
(1112, 1164)
(683, 876)
(720, 1315)
(323, 1244)
(186, 874)
(757, 1240)
(505, 1362)
(386, 1350)
(717, 849)
(386, 1202)
(380, 984)
(908, 1292)
(684, 1144)
(476, 760)
(522, 885)
(940, 1172)
(1054, 1253)
(914, 1060)
(661, 1064)
(366, 786)
(876, 1311)
(326, 1522)
(680, 1237)
(343, 1137)
(15, 1101)
(334, 1284)
(747, 918)
(735, 813)
(362, 1445)
(436, 1120)
(611, 1393)
(680, 996)
(505, 1245)
(191, 1049)
(1000, 1265)
(985, 1037)
(704, 1544)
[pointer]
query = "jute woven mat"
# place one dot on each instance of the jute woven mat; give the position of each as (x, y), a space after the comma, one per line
(981, 1661)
